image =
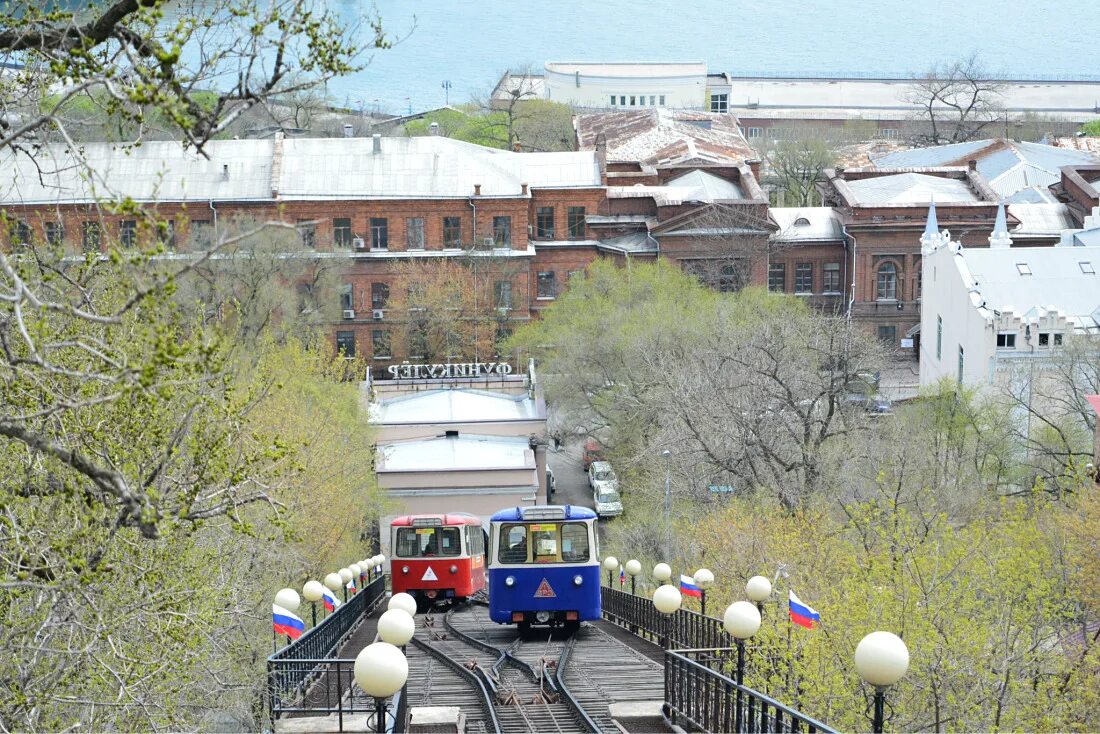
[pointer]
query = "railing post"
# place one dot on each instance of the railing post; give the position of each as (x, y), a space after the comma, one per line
(339, 697)
(740, 682)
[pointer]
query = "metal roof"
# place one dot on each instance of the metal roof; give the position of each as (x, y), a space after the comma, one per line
(910, 188)
(1041, 218)
(1057, 281)
(517, 514)
(299, 168)
(632, 243)
(708, 187)
(461, 453)
(806, 224)
(628, 69)
(660, 135)
(459, 405)
(1010, 167)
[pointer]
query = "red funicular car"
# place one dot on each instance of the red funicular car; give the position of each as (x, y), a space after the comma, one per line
(437, 557)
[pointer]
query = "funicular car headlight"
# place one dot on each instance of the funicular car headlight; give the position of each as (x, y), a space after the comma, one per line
(578, 579)
(510, 581)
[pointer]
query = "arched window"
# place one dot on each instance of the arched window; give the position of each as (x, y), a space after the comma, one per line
(887, 282)
(802, 222)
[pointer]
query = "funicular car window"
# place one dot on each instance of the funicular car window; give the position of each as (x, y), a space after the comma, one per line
(417, 542)
(548, 543)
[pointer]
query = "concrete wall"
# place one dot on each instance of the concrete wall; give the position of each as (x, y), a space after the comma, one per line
(594, 87)
(946, 298)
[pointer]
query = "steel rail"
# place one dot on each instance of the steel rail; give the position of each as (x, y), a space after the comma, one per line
(573, 703)
(486, 699)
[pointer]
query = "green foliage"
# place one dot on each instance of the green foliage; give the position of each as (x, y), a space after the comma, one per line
(1091, 128)
(535, 124)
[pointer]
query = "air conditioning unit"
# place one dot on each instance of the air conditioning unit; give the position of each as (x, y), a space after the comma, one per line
(359, 243)
(490, 242)
(378, 314)
(349, 314)
(530, 229)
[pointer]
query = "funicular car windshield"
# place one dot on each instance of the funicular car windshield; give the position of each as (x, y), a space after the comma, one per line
(552, 542)
(427, 542)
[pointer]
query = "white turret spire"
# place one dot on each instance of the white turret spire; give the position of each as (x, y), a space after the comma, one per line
(932, 239)
(1000, 236)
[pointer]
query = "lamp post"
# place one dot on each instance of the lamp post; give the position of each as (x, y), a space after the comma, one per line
(667, 599)
(345, 577)
(633, 570)
(356, 575)
(610, 564)
(381, 671)
(881, 660)
(662, 572)
(668, 503)
(704, 579)
(311, 592)
(741, 621)
(758, 588)
(333, 583)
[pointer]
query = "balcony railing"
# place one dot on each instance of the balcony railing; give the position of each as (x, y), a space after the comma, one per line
(685, 628)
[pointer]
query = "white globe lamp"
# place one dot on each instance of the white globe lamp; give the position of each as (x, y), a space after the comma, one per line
(667, 599)
(759, 589)
(404, 601)
(345, 574)
(662, 572)
(882, 660)
(312, 591)
(610, 564)
(633, 568)
(704, 579)
(356, 571)
(741, 620)
(288, 599)
(396, 627)
(381, 671)
(333, 582)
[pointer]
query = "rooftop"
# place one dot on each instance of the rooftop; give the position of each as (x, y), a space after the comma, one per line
(1040, 219)
(628, 69)
(910, 188)
(661, 136)
(1035, 280)
(461, 453)
(299, 168)
(1016, 171)
(806, 224)
(458, 405)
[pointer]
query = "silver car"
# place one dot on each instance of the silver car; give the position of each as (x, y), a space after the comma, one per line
(605, 489)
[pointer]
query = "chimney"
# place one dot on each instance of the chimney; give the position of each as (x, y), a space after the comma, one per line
(433, 129)
(754, 166)
(477, 189)
(348, 129)
(225, 172)
(523, 189)
(377, 143)
(972, 165)
(515, 147)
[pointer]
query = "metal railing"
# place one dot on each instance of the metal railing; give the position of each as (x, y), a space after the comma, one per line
(698, 695)
(684, 628)
(329, 688)
(302, 677)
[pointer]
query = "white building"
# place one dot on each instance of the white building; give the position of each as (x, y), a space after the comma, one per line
(627, 85)
(984, 311)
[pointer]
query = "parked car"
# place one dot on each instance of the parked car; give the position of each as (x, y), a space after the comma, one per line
(592, 452)
(551, 483)
(600, 472)
(605, 489)
(874, 404)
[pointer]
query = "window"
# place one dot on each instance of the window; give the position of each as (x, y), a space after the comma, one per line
(452, 232)
(662, 100)
(614, 100)
(502, 231)
(961, 362)
(777, 277)
(632, 98)
(547, 285)
(420, 542)
(347, 299)
(1057, 340)
(887, 289)
(804, 278)
(1086, 268)
(1023, 268)
(719, 102)
(91, 236)
(417, 336)
(641, 100)
(379, 295)
(55, 233)
(544, 543)
(574, 542)
(889, 132)
(414, 233)
(939, 337)
(622, 100)
(1006, 341)
(652, 100)
(756, 132)
(831, 280)
(202, 233)
(341, 232)
(731, 277)
(1044, 339)
(307, 233)
(19, 232)
(502, 293)
(379, 233)
(888, 335)
(168, 234)
(380, 344)
(345, 343)
(127, 232)
(544, 223)
(575, 222)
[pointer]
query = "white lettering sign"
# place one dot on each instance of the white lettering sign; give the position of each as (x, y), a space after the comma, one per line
(906, 343)
(436, 371)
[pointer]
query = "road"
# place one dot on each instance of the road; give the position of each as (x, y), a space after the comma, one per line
(572, 480)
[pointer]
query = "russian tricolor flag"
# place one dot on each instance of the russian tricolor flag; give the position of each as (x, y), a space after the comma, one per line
(351, 586)
(286, 622)
(802, 614)
(688, 587)
(329, 600)
(622, 576)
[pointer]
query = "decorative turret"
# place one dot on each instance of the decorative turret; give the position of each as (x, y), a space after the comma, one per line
(932, 239)
(1000, 236)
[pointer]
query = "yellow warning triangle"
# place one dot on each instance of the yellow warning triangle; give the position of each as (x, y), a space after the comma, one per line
(544, 591)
